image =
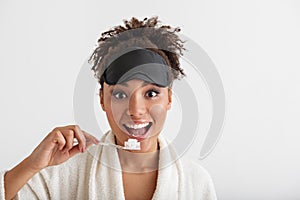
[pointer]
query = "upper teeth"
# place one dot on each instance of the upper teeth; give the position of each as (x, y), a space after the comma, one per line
(137, 126)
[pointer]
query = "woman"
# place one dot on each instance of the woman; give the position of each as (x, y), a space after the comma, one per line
(135, 65)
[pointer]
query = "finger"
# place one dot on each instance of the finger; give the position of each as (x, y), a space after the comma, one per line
(75, 150)
(90, 138)
(90, 142)
(81, 139)
(58, 139)
(78, 134)
(69, 138)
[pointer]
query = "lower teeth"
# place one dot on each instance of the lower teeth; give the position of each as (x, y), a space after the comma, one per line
(138, 132)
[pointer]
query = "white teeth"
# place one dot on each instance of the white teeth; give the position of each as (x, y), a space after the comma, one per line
(137, 126)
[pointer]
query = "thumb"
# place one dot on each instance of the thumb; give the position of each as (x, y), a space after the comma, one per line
(75, 150)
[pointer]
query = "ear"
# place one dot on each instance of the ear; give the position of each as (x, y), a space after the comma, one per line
(101, 99)
(169, 98)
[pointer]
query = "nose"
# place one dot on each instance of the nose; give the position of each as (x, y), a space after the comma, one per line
(137, 106)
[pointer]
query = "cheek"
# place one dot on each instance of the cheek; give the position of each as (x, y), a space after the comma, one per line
(116, 110)
(158, 113)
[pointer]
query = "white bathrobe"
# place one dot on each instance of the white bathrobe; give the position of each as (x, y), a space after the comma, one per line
(97, 174)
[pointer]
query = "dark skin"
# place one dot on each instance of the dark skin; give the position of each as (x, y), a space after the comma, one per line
(139, 186)
(139, 174)
(132, 103)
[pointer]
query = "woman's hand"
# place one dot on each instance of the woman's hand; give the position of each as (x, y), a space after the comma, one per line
(58, 146)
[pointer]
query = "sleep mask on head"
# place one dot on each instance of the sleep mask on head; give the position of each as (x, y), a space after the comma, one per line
(141, 64)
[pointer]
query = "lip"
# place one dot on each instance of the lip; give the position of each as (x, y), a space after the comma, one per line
(139, 137)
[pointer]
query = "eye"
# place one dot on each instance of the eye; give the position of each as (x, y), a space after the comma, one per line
(119, 95)
(152, 93)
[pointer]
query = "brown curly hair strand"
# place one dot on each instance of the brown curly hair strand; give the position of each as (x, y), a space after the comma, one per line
(161, 39)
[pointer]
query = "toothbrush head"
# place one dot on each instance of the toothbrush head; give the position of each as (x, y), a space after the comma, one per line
(132, 144)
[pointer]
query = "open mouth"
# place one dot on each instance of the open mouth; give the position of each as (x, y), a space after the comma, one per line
(138, 130)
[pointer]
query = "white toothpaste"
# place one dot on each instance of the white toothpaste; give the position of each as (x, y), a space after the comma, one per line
(132, 144)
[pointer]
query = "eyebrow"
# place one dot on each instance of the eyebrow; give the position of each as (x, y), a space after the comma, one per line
(144, 83)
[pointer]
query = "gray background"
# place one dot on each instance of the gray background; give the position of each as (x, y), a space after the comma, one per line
(255, 46)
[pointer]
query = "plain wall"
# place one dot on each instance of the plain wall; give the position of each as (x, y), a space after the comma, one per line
(255, 46)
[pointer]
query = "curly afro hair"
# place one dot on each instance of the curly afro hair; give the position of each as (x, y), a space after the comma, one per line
(146, 33)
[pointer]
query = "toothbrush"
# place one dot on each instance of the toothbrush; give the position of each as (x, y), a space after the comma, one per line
(130, 144)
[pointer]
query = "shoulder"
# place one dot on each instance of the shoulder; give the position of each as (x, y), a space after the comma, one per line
(194, 170)
(198, 179)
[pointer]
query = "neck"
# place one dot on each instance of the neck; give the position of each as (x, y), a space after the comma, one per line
(138, 162)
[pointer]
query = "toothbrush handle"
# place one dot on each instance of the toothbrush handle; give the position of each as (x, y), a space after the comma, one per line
(113, 145)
